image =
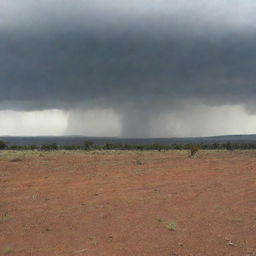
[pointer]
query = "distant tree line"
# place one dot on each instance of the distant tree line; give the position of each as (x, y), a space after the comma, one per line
(89, 145)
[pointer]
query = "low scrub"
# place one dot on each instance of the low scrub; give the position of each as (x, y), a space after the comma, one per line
(89, 145)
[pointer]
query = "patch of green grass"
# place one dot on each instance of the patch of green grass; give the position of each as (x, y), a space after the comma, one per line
(4, 174)
(235, 219)
(14, 155)
(91, 175)
(61, 212)
(3, 219)
(171, 226)
(139, 162)
(7, 250)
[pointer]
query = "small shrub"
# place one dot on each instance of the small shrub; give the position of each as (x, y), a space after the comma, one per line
(229, 146)
(194, 149)
(16, 159)
(49, 147)
(139, 162)
(88, 145)
(2, 145)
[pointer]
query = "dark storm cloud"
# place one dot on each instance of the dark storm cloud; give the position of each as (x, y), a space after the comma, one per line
(140, 64)
(75, 68)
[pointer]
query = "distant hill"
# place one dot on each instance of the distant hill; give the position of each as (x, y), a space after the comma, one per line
(69, 140)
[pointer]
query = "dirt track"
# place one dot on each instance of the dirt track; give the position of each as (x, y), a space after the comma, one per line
(120, 204)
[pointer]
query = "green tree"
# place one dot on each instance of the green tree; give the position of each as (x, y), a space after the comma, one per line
(49, 147)
(88, 145)
(3, 145)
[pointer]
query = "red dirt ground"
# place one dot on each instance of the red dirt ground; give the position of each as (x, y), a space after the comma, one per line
(120, 204)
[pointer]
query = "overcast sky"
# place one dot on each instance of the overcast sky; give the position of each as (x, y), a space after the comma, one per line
(127, 68)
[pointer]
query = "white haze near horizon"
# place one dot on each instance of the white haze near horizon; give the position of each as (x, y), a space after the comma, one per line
(197, 121)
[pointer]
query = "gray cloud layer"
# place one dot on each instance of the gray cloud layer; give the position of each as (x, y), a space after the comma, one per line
(137, 58)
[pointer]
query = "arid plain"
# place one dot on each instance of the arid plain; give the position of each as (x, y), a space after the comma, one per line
(128, 203)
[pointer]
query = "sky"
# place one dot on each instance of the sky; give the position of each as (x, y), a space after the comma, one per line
(159, 68)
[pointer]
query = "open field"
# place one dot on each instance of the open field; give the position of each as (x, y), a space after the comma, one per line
(120, 203)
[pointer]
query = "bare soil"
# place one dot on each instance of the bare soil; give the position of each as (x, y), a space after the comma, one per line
(129, 204)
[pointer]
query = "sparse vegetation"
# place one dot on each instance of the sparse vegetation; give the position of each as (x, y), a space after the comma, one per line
(194, 148)
(7, 250)
(49, 147)
(93, 240)
(3, 145)
(16, 159)
(235, 219)
(139, 162)
(89, 145)
(172, 226)
(252, 253)
(3, 219)
(103, 197)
